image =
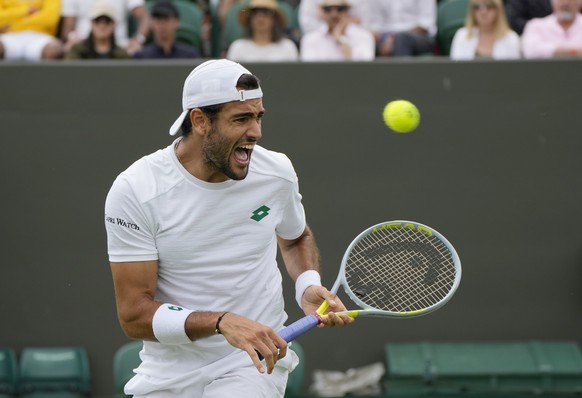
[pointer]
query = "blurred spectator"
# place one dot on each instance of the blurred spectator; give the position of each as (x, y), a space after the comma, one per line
(521, 11)
(28, 29)
(339, 39)
(100, 44)
(558, 34)
(309, 14)
(223, 7)
(486, 33)
(76, 22)
(165, 24)
(401, 27)
(264, 40)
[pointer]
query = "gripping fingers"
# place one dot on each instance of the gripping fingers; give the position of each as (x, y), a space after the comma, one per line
(256, 357)
(269, 354)
(333, 319)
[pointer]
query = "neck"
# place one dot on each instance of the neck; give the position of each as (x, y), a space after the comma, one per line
(489, 29)
(565, 19)
(185, 150)
(165, 44)
(102, 45)
(262, 37)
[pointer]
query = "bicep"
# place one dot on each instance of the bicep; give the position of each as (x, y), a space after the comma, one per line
(300, 254)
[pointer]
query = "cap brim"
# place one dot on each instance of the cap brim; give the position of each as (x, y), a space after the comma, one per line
(178, 123)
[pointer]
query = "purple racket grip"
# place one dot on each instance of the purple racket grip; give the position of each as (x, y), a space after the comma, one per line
(299, 327)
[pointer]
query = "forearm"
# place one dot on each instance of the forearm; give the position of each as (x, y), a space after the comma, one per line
(138, 322)
(67, 26)
(142, 18)
(136, 318)
(568, 52)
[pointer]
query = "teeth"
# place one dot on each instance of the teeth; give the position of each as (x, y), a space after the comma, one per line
(249, 146)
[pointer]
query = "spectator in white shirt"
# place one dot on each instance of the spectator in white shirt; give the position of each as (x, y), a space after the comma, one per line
(264, 24)
(401, 27)
(486, 34)
(339, 39)
(76, 22)
(310, 17)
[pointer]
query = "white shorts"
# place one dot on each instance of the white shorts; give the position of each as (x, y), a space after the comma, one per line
(26, 45)
(241, 383)
(223, 378)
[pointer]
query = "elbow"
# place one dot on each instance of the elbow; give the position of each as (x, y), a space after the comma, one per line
(131, 330)
(136, 325)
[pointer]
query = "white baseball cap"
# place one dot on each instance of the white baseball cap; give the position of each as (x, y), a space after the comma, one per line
(103, 9)
(210, 83)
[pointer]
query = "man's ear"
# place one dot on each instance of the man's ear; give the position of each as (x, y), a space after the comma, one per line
(200, 122)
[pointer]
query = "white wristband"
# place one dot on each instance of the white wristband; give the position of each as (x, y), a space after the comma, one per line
(169, 324)
(306, 279)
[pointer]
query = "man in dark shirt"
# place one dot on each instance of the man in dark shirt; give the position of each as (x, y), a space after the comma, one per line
(521, 11)
(165, 24)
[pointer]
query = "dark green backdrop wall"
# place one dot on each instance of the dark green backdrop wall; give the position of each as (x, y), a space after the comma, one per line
(494, 166)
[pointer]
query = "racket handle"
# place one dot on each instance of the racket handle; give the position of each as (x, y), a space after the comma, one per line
(299, 327)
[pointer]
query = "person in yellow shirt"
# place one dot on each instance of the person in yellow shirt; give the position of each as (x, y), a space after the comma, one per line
(28, 30)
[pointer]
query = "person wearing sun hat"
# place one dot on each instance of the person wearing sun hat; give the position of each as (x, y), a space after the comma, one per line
(339, 39)
(193, 232)
(264, 35)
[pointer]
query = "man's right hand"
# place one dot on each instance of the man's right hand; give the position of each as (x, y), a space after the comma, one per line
(254, 338)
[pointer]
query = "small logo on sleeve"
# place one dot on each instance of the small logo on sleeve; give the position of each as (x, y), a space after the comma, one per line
(122, 222)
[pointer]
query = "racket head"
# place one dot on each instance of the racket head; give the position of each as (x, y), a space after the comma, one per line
(399, 269)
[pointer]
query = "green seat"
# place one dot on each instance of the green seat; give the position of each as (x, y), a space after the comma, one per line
(489, 368)
(297, 377)
(59, 372)
(8, 372)
(451, 15)
(215, 31)
(126, 359)
(191, 18)
(233, 30)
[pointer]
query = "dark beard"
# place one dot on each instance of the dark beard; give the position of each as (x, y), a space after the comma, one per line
(216, 154)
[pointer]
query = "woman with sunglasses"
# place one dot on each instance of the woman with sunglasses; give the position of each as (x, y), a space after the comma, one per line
(486, 34)
(101, 41)
(264, 35)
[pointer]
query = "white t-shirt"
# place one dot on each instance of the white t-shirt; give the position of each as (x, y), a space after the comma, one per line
(320, 45)
(464, 47)
(216, 246)
(81, 10)
(245, 50)
(309, 13)
(400, 15)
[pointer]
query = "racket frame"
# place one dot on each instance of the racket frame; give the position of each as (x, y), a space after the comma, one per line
(310, 321)
(369, 311)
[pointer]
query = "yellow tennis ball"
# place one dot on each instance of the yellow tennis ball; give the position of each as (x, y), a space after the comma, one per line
(401, 116)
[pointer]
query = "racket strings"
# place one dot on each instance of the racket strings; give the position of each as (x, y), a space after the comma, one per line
(400, 270)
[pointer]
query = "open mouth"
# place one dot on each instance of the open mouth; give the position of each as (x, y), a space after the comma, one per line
(242, 154)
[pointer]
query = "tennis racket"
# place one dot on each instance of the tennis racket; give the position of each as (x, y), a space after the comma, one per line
(395, 269)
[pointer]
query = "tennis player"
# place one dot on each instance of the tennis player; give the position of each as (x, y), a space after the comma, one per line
(193, 231)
